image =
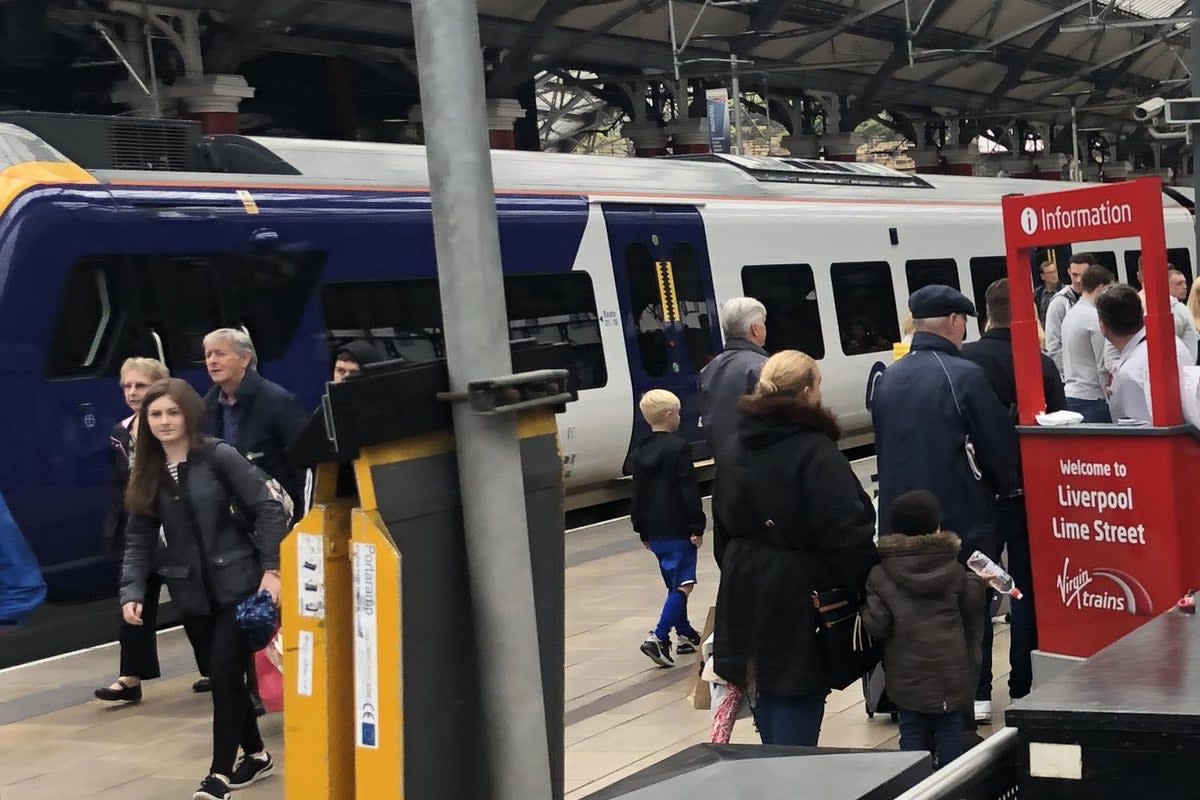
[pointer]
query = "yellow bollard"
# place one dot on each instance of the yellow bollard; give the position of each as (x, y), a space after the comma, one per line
(317, 635)
(378, 656)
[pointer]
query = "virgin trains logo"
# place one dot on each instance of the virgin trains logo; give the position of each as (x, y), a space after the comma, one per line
(1104, 589)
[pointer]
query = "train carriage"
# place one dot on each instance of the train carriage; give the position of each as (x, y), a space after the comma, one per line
(310, 243)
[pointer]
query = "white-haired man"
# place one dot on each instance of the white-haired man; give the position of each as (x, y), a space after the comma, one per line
(729, 376)
(258, 417)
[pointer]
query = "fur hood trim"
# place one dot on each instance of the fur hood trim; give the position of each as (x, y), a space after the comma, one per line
(792, 409)
(939, 541)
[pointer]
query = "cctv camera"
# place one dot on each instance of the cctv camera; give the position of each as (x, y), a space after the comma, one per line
(1144, 112)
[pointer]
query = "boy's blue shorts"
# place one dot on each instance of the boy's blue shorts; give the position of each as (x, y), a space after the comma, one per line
(676, 561)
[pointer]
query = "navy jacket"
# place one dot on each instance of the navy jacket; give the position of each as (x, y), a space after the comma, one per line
(666, 499)
(726, 379)
(271, 419)
(993, 352)
(920, 436)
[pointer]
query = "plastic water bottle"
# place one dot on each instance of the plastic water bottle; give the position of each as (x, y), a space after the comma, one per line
(993, 574)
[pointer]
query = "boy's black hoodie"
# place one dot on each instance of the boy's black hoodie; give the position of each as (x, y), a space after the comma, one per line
(666, 499)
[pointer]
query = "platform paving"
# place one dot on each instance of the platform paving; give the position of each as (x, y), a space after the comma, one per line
(622, 712)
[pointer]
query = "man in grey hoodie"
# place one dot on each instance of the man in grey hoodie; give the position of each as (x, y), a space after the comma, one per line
(725, 380)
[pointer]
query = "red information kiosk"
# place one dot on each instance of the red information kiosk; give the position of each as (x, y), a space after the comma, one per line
(1111, 509)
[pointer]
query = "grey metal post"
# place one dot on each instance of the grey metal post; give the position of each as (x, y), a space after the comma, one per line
(737, 102)
(489, 458)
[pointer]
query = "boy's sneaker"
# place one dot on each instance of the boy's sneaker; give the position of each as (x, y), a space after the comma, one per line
(213, 788)
(250, 770)
(686, 645)
(657, 651)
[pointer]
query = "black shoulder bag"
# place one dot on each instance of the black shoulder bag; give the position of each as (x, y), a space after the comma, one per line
(842, 645)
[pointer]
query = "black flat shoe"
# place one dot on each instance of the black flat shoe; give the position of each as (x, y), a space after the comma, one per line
(201, 686)
(126, 694)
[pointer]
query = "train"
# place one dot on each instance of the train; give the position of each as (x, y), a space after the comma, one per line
(306, 244)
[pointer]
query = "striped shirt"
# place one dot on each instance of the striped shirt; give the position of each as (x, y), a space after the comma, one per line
(173, 469)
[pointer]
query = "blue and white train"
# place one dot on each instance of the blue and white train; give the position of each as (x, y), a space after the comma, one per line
(97, 265)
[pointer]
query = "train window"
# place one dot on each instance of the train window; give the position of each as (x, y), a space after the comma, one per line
(646, 303)
(922, 272)
(693, 305)
(118, 306)
(865, 301)
(85, 321)
(268, 293)
(985, 270)
(179, 301)
(790, 295)
(184, 297)
(1178, 257)
(559, 308)
(404, 318)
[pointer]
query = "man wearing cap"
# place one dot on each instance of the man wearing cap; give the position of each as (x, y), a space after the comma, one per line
(939, 426)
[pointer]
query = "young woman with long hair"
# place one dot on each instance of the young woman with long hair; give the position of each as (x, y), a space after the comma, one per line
(184, 488)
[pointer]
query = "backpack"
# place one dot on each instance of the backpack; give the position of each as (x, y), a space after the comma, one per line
(240, 516)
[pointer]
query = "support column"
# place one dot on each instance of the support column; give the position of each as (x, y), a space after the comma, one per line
(690, 136)
(502, 114)
(649, 138)
(213, 100)
(842, 146)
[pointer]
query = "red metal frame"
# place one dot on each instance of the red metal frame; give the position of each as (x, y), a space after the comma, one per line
(1107, 506)
(1132, 209)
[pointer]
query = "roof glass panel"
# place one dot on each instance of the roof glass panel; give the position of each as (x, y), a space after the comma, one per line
(1151, 8)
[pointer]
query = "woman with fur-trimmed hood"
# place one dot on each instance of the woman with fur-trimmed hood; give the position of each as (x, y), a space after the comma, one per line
(924, 607)
(801, 523)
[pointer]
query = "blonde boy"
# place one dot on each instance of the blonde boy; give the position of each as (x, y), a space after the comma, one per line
(668, 516)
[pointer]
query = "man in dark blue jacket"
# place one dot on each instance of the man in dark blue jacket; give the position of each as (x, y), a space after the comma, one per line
(939, 426)
(258, 417)
(993, 352)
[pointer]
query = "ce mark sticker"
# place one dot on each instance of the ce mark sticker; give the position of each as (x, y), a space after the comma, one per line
(367, 726)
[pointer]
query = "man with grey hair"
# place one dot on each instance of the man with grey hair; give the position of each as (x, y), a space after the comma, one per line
(258, 417)
(724, 381)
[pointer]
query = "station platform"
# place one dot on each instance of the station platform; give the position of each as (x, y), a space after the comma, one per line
(622, 712)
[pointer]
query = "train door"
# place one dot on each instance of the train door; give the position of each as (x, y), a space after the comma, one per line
(668, 307)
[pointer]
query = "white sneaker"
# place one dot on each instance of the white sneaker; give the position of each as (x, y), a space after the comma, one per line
(983, 711)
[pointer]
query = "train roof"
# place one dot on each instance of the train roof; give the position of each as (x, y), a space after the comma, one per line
(368, 164)
(313, 163)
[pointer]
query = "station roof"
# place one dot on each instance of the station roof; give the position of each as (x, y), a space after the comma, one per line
(997, 57)
(979, 58)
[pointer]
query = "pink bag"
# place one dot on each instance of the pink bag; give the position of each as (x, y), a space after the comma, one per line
(725, 715)
(268, 667)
